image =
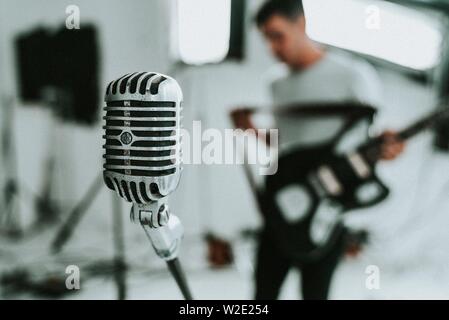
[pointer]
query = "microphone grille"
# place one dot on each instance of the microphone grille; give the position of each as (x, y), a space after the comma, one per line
(142, 136)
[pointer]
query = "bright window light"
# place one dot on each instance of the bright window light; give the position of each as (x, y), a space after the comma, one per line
(384, 30)
(203, 30)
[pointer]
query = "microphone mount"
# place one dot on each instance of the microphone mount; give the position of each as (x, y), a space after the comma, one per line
(164, 230)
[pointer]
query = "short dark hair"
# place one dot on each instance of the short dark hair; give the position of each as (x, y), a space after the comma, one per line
(290, 9)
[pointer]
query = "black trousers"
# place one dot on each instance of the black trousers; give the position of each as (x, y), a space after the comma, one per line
(272, 267)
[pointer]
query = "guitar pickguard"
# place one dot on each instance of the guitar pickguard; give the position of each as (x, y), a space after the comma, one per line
(295, 202)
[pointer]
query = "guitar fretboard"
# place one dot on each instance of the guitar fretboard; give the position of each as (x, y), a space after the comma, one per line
(371, 150)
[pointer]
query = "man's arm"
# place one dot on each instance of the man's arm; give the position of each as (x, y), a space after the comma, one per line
(367, 88)
(242, 120)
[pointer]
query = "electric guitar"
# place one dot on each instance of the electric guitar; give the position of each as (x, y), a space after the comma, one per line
(304, 201)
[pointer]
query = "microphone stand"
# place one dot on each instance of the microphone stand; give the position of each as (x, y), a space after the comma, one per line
(164, 230)
(118, 235)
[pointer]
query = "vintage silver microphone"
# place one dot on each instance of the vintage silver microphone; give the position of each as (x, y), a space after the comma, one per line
(143, 156)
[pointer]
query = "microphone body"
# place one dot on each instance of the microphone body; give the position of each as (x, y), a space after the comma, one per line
(142, 158)
(142, 136)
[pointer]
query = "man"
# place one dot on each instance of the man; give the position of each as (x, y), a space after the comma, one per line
(315, 74)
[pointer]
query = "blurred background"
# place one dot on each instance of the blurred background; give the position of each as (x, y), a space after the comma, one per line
(51, 140)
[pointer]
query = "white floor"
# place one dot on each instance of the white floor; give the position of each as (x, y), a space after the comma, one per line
(148, 278)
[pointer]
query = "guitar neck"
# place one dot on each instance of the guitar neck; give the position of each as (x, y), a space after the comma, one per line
(371, 150)
(421, 125)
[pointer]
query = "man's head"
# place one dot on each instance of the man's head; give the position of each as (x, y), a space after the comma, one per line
(283, 24)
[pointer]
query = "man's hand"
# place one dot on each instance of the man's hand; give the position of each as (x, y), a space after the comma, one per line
(219, 251)
(242, 119)
(392, 146)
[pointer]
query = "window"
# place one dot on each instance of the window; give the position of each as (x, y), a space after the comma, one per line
(384, 30)
(208, 31)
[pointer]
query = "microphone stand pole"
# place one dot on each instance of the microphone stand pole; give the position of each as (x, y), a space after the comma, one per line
(164, 230)
(118, 234)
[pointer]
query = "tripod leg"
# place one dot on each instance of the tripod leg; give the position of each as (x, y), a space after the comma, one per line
(119, 249)
(66, 231)
(10, 211)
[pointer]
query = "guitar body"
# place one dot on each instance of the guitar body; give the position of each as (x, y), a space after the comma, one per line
(301, 214)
